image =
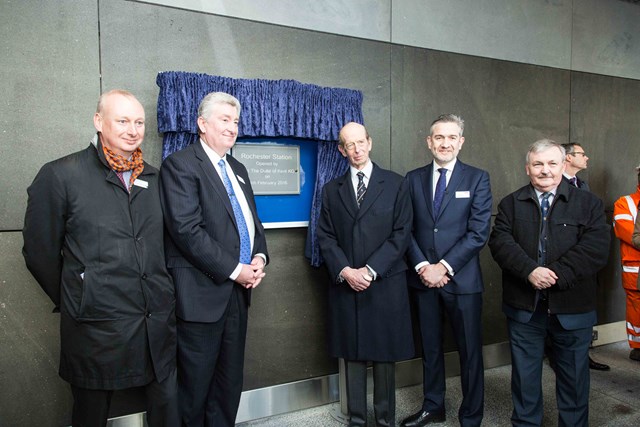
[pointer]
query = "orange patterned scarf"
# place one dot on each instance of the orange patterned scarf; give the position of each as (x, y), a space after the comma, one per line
(119, 164)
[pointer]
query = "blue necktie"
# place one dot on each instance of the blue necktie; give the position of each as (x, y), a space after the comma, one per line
(245, 242)
(542, 243)
(441, 186)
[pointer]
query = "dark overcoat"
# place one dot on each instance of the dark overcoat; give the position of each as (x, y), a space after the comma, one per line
(374, 324)
(97, 251)
(577, 247)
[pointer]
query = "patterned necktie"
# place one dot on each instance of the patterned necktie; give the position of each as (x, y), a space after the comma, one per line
(361, 188)
(574, 181)
(441, 186)
(245, 242)
(542, 243)
(121, 177)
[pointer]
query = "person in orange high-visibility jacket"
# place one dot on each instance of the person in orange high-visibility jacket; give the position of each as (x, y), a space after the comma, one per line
(625, 211)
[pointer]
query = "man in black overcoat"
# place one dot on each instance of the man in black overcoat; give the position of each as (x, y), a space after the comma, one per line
(364, 230)
(93, 241)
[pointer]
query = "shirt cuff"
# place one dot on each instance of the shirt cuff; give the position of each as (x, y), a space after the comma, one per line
(340, 279)
(372, 272)
(447, 266)
(420, 265)
(234, 275)
(264, 258)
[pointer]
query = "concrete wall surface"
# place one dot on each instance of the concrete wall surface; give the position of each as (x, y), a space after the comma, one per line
(517, 71)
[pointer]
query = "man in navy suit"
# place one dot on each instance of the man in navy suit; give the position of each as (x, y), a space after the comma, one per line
(575, 161)
(216, 252)
(451, 223)
(550, 239)
(364, 230)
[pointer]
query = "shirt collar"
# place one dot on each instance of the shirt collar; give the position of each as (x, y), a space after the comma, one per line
(540, 193)
(366, 170)
(213, 156)
(449, 167)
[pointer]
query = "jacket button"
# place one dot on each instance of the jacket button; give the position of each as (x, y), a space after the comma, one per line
(147, 315)
(435, 230)
(144, 276)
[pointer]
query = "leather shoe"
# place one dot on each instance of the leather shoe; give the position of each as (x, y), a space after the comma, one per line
(597, 366)
(635, 354)
(422, 418)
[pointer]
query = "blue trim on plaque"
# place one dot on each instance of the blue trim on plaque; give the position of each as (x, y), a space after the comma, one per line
(285, 209)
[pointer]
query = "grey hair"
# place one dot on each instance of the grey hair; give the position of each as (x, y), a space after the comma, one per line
(544, 145)
(570, 147)
(206, 106)
(448, 118)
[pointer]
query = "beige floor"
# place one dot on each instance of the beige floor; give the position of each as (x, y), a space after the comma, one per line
(614, 399)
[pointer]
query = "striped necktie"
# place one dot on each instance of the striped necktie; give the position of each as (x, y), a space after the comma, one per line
(361, 188)
(243, 231)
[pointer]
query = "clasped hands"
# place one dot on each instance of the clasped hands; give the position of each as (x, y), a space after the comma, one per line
(251, 274)
(433, 275)
(542, 278)
(358, 278)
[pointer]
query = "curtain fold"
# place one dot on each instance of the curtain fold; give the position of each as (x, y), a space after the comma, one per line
(270, 108)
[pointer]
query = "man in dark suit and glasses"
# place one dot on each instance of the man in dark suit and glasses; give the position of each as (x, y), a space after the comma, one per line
(216, 252)
(575, 161)
(451, 223)
(363, 233)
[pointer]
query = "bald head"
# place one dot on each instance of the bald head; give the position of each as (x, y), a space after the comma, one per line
(355, 144)
(120, 121)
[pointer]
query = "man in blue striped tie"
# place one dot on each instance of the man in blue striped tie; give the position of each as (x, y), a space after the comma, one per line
(216, 253)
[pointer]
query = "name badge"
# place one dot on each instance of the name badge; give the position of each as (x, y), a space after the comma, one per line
(141, 183)
(240, 179)
(463, 194)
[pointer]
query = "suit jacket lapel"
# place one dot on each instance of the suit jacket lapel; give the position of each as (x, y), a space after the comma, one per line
(348, 197)
(454, 183)
(427, 187)
(373, 191)
(245, 189)
(214, 179)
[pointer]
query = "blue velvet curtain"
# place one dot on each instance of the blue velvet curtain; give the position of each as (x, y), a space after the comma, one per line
(271, 108)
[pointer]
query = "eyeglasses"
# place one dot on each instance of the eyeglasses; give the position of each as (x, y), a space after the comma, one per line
(575, 153)
(351, 145)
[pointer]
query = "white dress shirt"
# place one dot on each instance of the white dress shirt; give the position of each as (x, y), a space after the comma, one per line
(240, 196)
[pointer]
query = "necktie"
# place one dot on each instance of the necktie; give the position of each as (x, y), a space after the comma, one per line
(245, 242)
(574, 181)
(441, 186)
(121, 176)
(361, 188)
(544, 208)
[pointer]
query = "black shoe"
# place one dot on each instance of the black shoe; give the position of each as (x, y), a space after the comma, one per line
(598, 366)
(635, 354)
(422, 418)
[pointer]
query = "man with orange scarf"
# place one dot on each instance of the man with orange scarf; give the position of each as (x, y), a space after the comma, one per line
(625, 211)
(93, 240)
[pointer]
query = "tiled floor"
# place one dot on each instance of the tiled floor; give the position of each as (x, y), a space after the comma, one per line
(614, 400)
